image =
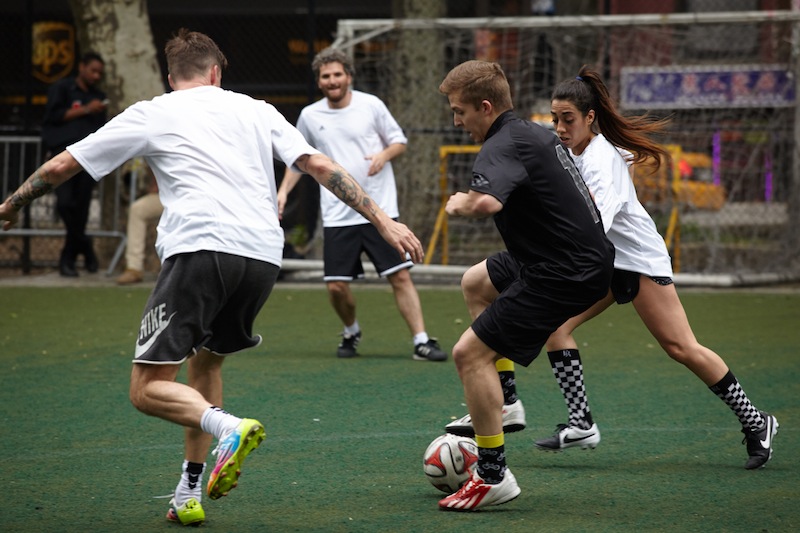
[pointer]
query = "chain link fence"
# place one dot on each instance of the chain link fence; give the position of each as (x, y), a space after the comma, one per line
(727, 201)
(744, 155)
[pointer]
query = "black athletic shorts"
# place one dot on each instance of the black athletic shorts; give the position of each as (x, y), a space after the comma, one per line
(527, 311)
(342, 248)
(203, 300)
(625, 284)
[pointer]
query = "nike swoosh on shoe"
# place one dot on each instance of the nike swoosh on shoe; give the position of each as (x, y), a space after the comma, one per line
(766, 442)
(570, 440)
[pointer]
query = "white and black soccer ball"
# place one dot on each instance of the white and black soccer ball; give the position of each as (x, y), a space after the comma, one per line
(449, 462)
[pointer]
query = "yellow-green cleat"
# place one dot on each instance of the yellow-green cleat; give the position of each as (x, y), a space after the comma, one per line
(231, 452)
(189, 514)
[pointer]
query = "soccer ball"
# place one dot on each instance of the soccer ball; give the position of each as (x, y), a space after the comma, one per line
(449, 462)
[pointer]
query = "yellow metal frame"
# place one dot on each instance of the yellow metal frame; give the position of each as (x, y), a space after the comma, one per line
(672, 236)
(440, 228)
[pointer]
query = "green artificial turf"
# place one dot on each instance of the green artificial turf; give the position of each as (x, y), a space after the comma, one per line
(345, 438)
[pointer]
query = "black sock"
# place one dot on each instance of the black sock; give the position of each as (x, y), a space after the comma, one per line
(509, 384)
(492, 464)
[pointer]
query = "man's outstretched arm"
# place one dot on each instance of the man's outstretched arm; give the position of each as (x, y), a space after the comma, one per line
(336, 179)
(50, 175)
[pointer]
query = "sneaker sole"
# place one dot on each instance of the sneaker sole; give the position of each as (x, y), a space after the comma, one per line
(420, 358)
(228, 476)
(476, 509)
(565, 448)
(174, 518)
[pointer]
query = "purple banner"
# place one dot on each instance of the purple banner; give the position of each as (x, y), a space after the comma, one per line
(706, 86)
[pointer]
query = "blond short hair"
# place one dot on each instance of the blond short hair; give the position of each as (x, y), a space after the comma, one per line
(476, 81)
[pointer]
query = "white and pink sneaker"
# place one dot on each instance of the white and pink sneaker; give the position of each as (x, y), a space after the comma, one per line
(476, 493)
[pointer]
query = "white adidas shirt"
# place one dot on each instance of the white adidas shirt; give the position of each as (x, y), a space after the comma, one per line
(212, 152)
(347, 135)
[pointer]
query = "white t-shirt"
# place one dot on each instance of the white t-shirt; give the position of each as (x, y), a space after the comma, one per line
(638, 245)
(211, 151)
(347, 135)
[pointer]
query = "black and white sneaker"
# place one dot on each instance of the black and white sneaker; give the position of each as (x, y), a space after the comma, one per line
(513, 420)
(759, 442)
(347, 348)
(567, 436)
(429, 351)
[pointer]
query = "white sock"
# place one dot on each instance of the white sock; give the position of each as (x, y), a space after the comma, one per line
(188, 487)
(421, 338)
(352, 329)
(218, 421)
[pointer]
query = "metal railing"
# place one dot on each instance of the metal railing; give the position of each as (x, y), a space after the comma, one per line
(20, 156)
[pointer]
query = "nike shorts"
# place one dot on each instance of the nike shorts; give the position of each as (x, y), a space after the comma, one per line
(203, 300)
(342, 248)
(625, 284)
(519, 321)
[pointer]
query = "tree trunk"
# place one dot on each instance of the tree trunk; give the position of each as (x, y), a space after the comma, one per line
(420, 110)
(119, 30)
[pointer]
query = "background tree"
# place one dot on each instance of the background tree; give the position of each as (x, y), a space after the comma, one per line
(119, 30)
(420, 109)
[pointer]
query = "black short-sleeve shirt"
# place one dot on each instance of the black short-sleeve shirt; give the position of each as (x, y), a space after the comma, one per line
(549, 221)
(61, 96)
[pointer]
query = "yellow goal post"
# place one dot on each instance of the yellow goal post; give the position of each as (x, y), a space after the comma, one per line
(440, 227)
(668, 182)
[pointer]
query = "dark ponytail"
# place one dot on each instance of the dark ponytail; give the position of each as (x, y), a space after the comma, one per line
(587, 91)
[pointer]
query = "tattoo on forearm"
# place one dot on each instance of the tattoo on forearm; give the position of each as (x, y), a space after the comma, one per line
(345, 188)
(33, 188)
(368, 206)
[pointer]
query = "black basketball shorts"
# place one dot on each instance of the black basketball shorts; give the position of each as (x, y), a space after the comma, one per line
(342, 248)
(203, 300)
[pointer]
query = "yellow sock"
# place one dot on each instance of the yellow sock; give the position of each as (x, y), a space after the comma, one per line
(504, 365)
(490, 441)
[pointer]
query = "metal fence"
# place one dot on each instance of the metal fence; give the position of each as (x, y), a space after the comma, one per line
(728, 81)
(38, 237)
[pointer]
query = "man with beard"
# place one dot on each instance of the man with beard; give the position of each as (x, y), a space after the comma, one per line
(357, 130)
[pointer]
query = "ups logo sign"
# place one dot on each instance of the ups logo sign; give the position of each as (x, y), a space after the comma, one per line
(53, 50)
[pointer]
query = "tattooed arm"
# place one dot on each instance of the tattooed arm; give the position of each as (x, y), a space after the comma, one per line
(336, 179)
(46, 178)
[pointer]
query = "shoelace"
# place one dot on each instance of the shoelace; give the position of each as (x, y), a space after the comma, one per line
(220, 443)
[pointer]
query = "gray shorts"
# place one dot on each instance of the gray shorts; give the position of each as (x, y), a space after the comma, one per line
(203, 300)
(342, 248)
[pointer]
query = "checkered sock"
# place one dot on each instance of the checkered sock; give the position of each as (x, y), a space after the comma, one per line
(568, 370)
(730, 392)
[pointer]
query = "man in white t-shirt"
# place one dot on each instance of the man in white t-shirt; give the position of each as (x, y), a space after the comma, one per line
(219, 240)
(357, 130)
